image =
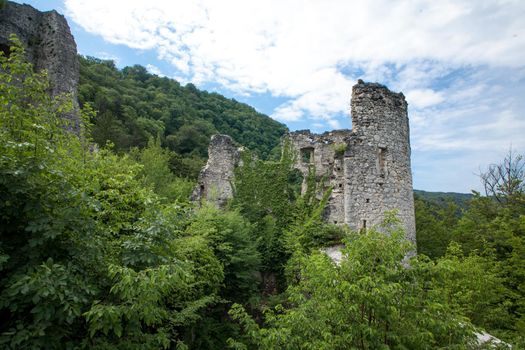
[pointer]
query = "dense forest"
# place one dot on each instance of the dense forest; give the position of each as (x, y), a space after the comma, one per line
(133, 106)
(461, 200)
(100, 247)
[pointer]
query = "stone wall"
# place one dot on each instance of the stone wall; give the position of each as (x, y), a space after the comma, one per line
(325, 154)
(49, 45)
(377, 162)
(215, 183)
(367, 167)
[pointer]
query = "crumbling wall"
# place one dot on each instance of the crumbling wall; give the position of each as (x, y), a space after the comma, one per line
(49, 45)
(323, 153)
(215, 183)
(367, 167)
(377, 162)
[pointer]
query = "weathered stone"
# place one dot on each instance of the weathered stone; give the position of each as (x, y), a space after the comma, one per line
(367, 167)
(215, 182)
(49, 45)
(335, 253)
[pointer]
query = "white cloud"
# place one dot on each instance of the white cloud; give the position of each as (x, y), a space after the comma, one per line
(292, 48)
(422, 98)
(334, 123)
(107, 56)
(459, 62)
(154, 70)
(288, 113)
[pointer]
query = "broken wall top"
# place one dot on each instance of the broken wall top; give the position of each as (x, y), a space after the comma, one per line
(48, 41)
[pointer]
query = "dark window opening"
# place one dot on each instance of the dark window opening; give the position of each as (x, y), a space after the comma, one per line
(307, 155)
(363, 227)
(5, 49)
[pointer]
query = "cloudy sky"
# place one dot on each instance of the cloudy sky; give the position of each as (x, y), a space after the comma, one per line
(460, 64)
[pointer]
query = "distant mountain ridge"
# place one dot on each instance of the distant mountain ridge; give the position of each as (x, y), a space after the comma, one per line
(441, 198)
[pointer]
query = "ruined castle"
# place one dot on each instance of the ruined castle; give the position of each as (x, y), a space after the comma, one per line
(368, 167)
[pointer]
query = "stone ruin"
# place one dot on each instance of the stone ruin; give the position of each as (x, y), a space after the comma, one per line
(49, 45)
(216, 178)
(367, 167)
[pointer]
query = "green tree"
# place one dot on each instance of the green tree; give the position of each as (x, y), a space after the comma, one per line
(435, 224)
(494, 225)
(134, 105)
(231, 238)
(265, 193)
(475, 285)
(89, 256)
(156, 172)
(371, 301)
(43, 289)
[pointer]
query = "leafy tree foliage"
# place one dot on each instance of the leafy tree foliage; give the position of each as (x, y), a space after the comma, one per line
(370, 301)
(491, 233)
(90, 255)
(158, 173)
(434, 225)
(268, 194)
(103, 250)
(134, 106)
(498, 228)
(230, 236)
(265, 194)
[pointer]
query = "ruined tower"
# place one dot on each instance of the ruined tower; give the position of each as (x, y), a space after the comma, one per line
(377, 161)
(48, 42)
(367, 167)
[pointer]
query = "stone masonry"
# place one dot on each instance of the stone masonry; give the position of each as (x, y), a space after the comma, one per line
(215, 183)
(49, 45)
(367, 167)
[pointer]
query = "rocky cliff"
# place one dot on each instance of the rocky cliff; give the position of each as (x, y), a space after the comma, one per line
(49, 45)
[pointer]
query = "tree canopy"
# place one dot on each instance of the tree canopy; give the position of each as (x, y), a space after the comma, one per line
(101, 248)
(133, 105)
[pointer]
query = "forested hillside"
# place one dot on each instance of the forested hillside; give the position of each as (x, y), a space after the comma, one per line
(133, 105)
(442, 198)
(101, 249)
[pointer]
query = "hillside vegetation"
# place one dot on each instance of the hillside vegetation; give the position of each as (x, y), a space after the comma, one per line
(101, 249)
(133, 105)
(442, 198)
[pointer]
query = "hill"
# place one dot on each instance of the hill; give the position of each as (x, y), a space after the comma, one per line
(134, 105)
(441, 198)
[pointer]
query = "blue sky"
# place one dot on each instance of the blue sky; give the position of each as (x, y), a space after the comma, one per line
(460, 64)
